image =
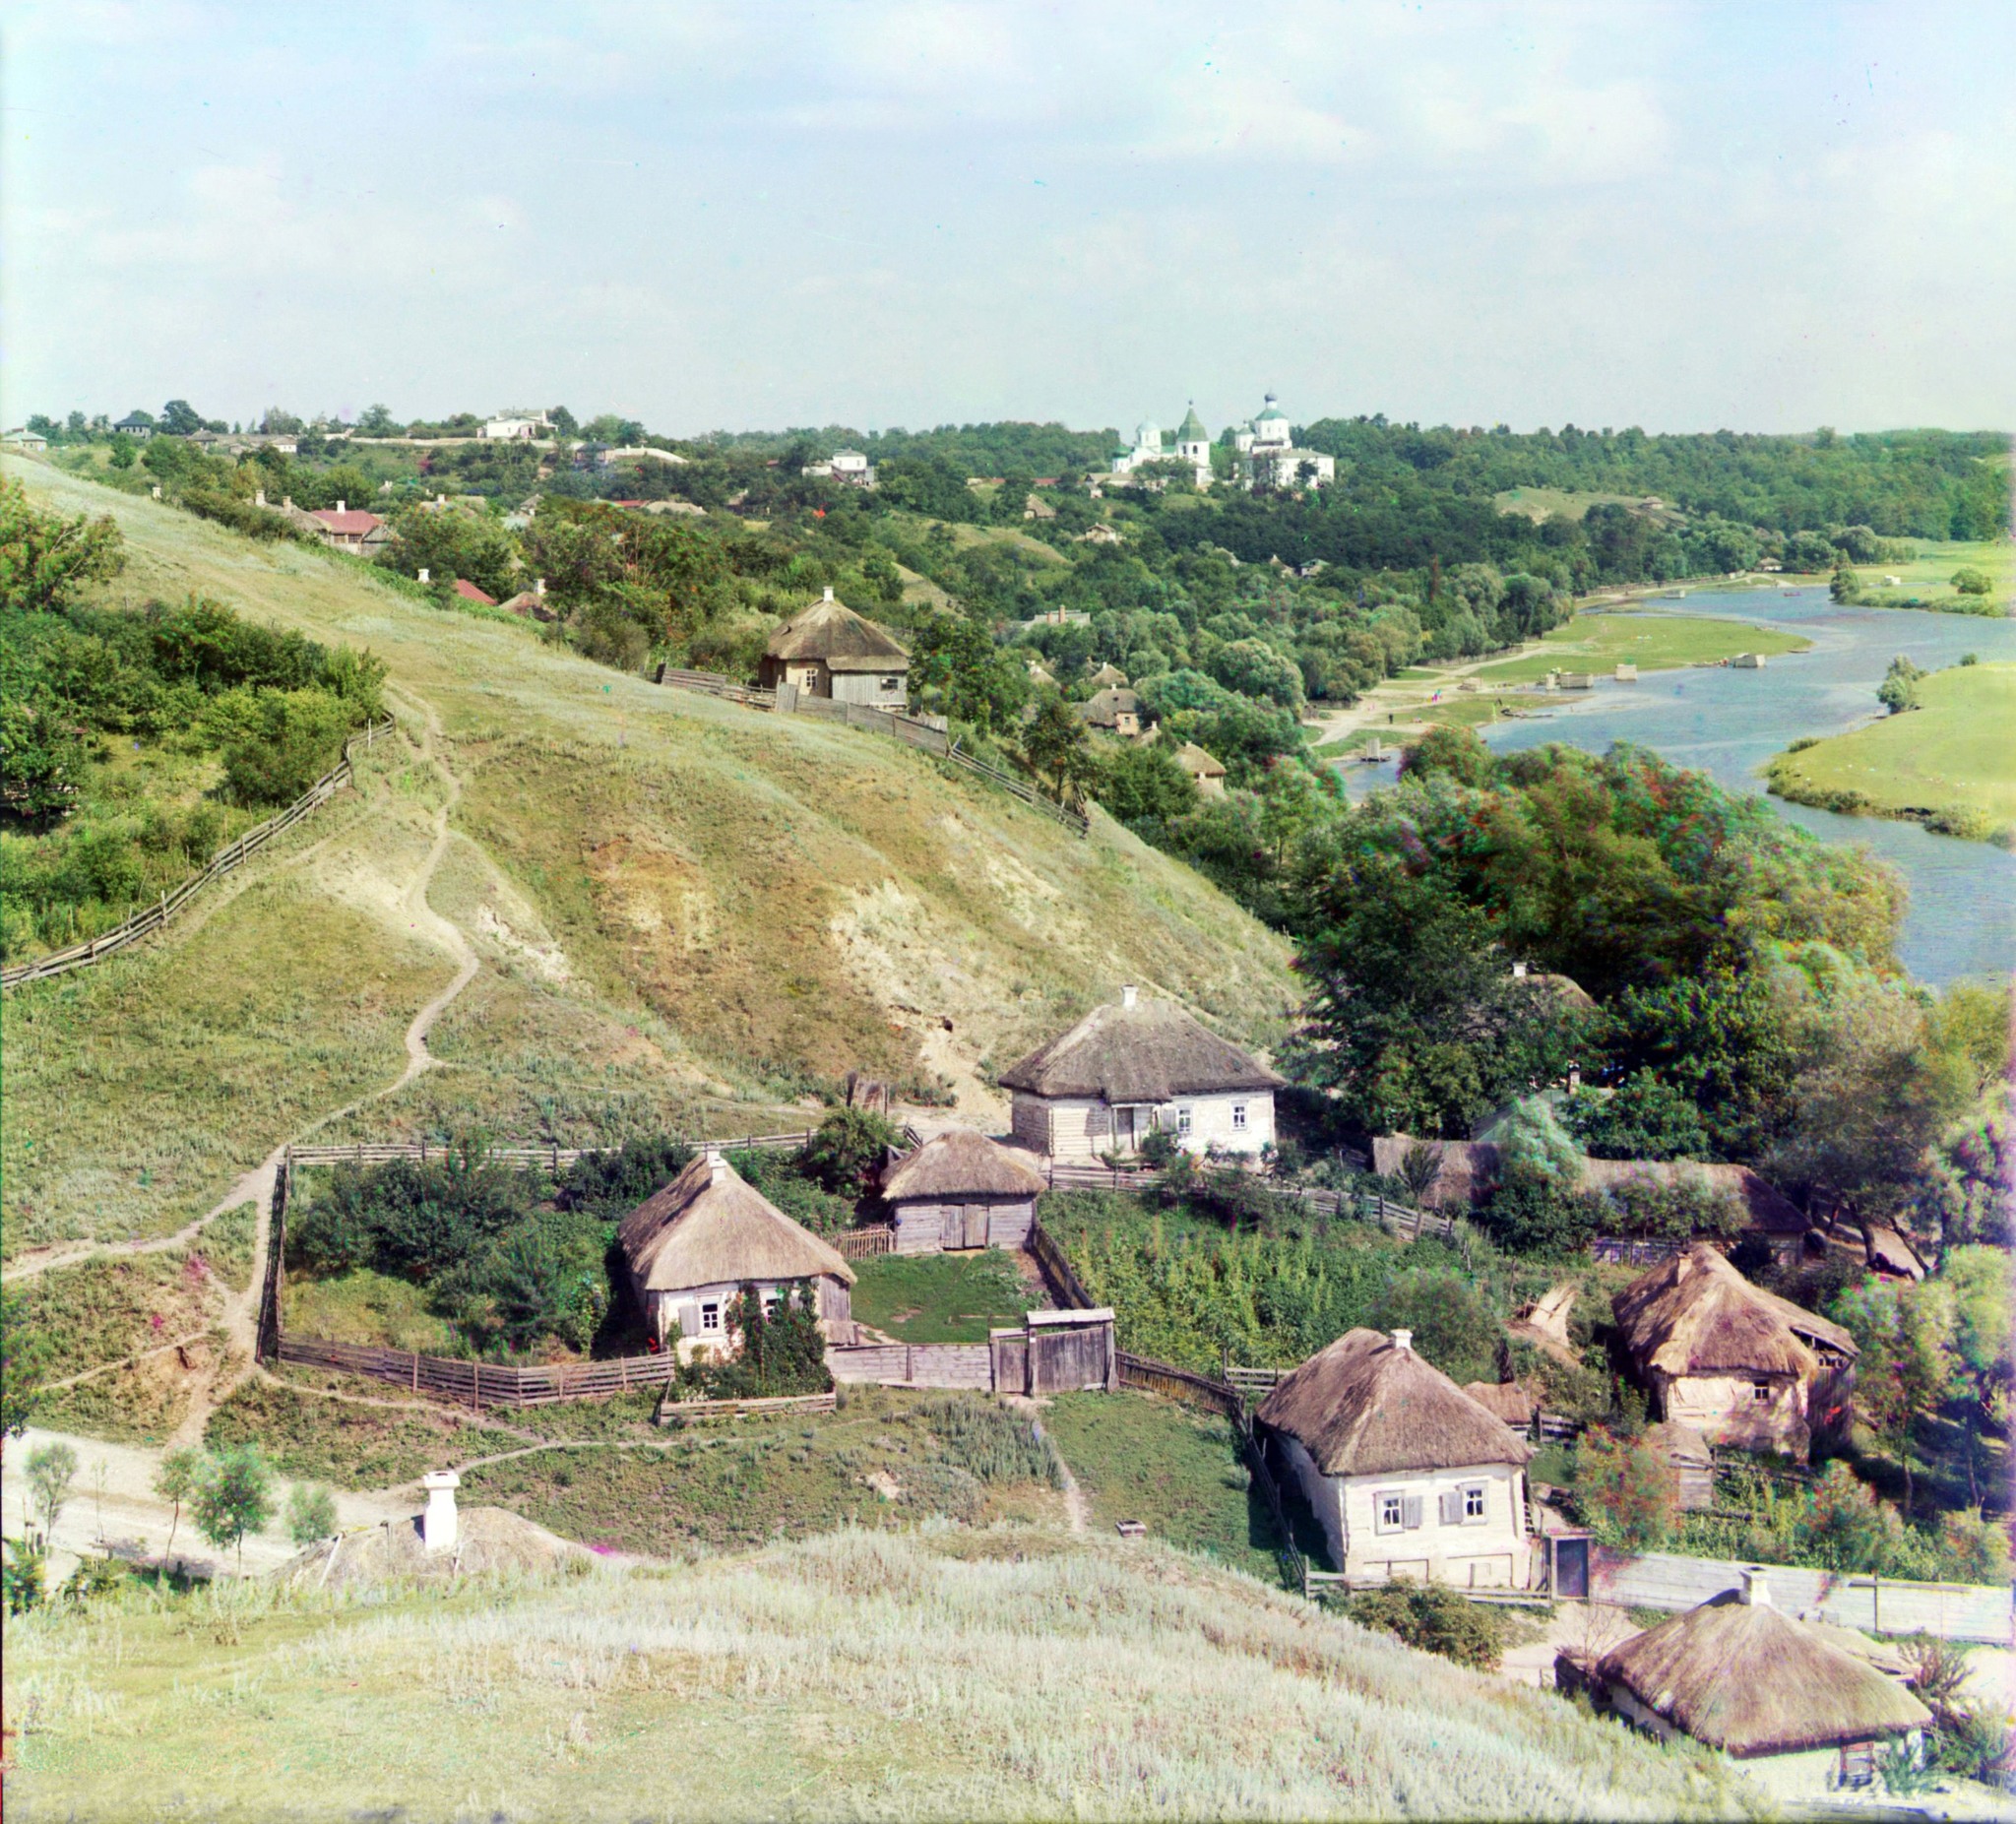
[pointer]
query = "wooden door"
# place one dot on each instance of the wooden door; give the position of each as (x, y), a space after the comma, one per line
(975, 1225)
(955, 1226)
(1572, 1569)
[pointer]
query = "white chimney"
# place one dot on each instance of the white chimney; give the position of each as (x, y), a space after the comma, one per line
(259, 498)
(440, 500)
(1756, 1590)
(157, 490)
(287, 502)
(716, 1166)
(829, 592)
(424, 573)
(439, 1527)
(1128, 995)
(1519, 972)
(538, 586)
(343, 506)
(1403, 1341)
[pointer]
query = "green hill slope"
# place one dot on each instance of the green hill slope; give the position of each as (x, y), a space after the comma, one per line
(1010, 1674)
(684, 913)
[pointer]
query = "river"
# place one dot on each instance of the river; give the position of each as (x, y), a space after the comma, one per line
(1962, 918)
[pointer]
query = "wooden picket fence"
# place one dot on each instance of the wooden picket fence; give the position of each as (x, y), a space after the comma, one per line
(482, 1385)
(869, 1240)
(233, 855)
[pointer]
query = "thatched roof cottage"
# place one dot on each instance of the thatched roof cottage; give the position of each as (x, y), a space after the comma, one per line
(1803, 1714)
(1135, 1066)
(1206, 773)
(827, 649)
(1739, 1364)
(1407, 1474)
(694, 1243)
(960, 1190)
(1113, 710)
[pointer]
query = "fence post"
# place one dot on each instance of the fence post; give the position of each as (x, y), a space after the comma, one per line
(475, 1387)
(417, 1373)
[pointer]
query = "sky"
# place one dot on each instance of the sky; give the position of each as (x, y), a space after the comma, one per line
(1683, 217)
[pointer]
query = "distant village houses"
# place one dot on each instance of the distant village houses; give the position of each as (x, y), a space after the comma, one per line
(1134, 1067)
(849, 465)
(342, 528)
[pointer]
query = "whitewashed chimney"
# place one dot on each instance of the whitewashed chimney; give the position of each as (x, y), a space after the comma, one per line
(829, 592)
(258, 497)
(286, 501)
(1756, 1589)
(157, 490)
(439, 1525)
(1129, 995)
(424, 573)
(343, 506)
(538, 586)
(1519, 972)
(1403, 1341)
(716, 1166)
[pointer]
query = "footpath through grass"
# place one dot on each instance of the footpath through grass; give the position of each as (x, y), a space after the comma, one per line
(1652, 642)
(1949, 763)
(940, 1297)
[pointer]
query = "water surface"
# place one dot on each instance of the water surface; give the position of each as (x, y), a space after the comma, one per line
(1962, 918)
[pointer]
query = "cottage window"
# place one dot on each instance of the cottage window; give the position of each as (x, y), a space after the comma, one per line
(1473, 1504)
(709, 1317)
(1391, 1508)
(1183, 1120)
(891, 683)
(1760, 1389)
(1238, 1117)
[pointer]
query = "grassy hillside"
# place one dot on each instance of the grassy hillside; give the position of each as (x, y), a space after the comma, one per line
(1652, 642)
(1950, 762)
(1005, 1673)
(685, 913)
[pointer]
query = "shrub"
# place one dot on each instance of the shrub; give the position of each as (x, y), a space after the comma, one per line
(1972, 581)
(310, 1513)
(850, 1145)
(1625, 1489)
(299, 736)
(1436, 1619)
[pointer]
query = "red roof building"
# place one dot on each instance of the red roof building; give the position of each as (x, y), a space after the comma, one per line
(469, 592)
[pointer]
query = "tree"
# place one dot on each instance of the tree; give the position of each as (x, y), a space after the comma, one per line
(1906, 1333)
(1972, 581)
(848, 1146)
(311, 1513)
(1054, 747)
(176, 1479)
(42, 761)
(296, 736)
(1898, 691)
(122, 449)
(1625, 1489)
(51, 1468)
(1645, 1117)
(1142, 783)
(234, 1498)
(279, 423)
(180, 418)
(46, 559)
(1846, 587)
(378, 421)
(450, 543)
(564, 422)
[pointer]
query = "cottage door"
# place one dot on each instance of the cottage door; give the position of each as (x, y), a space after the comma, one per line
(975, 1225)
(1572, 1569)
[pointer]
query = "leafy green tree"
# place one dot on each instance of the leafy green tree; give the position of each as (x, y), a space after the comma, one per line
(296, 736)
(1972, 581)
(1898, 691)
(122, 449)
(848, 1148)
(176, 1479)
(961, 673)
(1538, 1205)
(377, 422)
(42, 761)
(1645, 1117)
(450, 543)
(1141, 783)
(25, 1355)
(1055, 750)
(310, 1513)
(234, 1498)
(51, 1468)
(180, 418)
(1908, 1361)
(45, 560)
(1625, 1489)
(1844, 587)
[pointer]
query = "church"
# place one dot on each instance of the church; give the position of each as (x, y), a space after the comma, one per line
(1192, 445)
(1268, 457)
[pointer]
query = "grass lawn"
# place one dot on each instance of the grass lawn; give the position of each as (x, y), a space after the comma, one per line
(1652, 642)
(1177, 1472)
(940, 1297)
(348, 1442)
(367, 1308)
(1930, 577)
(884, 1459)
(1950, 764)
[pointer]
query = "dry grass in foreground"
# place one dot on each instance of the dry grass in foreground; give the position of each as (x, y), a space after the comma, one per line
(935, 1675)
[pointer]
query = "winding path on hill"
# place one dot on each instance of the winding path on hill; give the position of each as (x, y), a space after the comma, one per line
(239, 1318)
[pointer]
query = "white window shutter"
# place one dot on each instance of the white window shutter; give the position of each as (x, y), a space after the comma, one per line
(1411, 1511)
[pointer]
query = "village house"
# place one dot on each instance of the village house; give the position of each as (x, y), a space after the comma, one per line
(1407, 1475)
(1734, 1362)
(1135, 1067)
(22, 438)
(849, 465)
(133, 425)
(517, 427)
(827, 649)
(1268, 456)
(342, 528)
(1802, 1714)
(1206, 773)
(531, 602)
(693, 1245)
(1108, 677)
(962, 1190)
(469, 592)
(1113, 712)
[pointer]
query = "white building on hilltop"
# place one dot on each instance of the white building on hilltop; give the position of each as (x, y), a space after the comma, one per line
(1269, 457)
(1192, 445)
(517, 427)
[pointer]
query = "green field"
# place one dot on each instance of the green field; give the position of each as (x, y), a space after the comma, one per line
(1950, 764)
(1543, 503)
(1650, 641)
(940, 1297)
(1928, 577)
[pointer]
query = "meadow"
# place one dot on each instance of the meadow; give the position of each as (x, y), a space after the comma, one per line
(940, 1297)
(1004, 1674)
(1651, 641)
(1926, 580)
(1949, 763)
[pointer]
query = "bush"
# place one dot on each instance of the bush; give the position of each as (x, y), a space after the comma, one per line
(849, 1146)
(1644, 1118)
(779, 1178)
(310, 1513)
(1625, 1489)
(299, 736)
(1436, 1619)
(1972, 581)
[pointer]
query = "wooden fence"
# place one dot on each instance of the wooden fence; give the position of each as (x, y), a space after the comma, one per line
(869, 1240)
(907, 728)
(482, 1385)
(1064, 1283)
(233, 855)
(680, 1412)
(1872, 1605)
(961, 1365)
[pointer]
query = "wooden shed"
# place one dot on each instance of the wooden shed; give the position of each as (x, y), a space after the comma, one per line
(1737, 1363)
(962, 1190)
(827, 649)
(693, 1244)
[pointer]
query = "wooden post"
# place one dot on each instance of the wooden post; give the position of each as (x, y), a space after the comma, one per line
(417, 1373)
(475, 1387)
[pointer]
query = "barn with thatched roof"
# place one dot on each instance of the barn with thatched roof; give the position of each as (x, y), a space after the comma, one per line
(962, 1190)
(1135, 1067)
(693, 1244)
(1805, 1715)
(1408, 1474)
(1736, 1363)
(827, 649)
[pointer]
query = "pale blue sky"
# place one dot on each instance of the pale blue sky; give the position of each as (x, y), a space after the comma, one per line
(1767, 217)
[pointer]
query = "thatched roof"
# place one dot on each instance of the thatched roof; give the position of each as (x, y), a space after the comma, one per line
(1513, 1402)
(1198, 762)
(1108, 677)
(1681, 1445)
(1104, 709)
(1138, 1051)
(831, 631)
(1696, 1315)
(1544, 1322)
(1744, 1678)
(1366, 1406)
(709, 1227)
(959, 1163)
(1890, 1251)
